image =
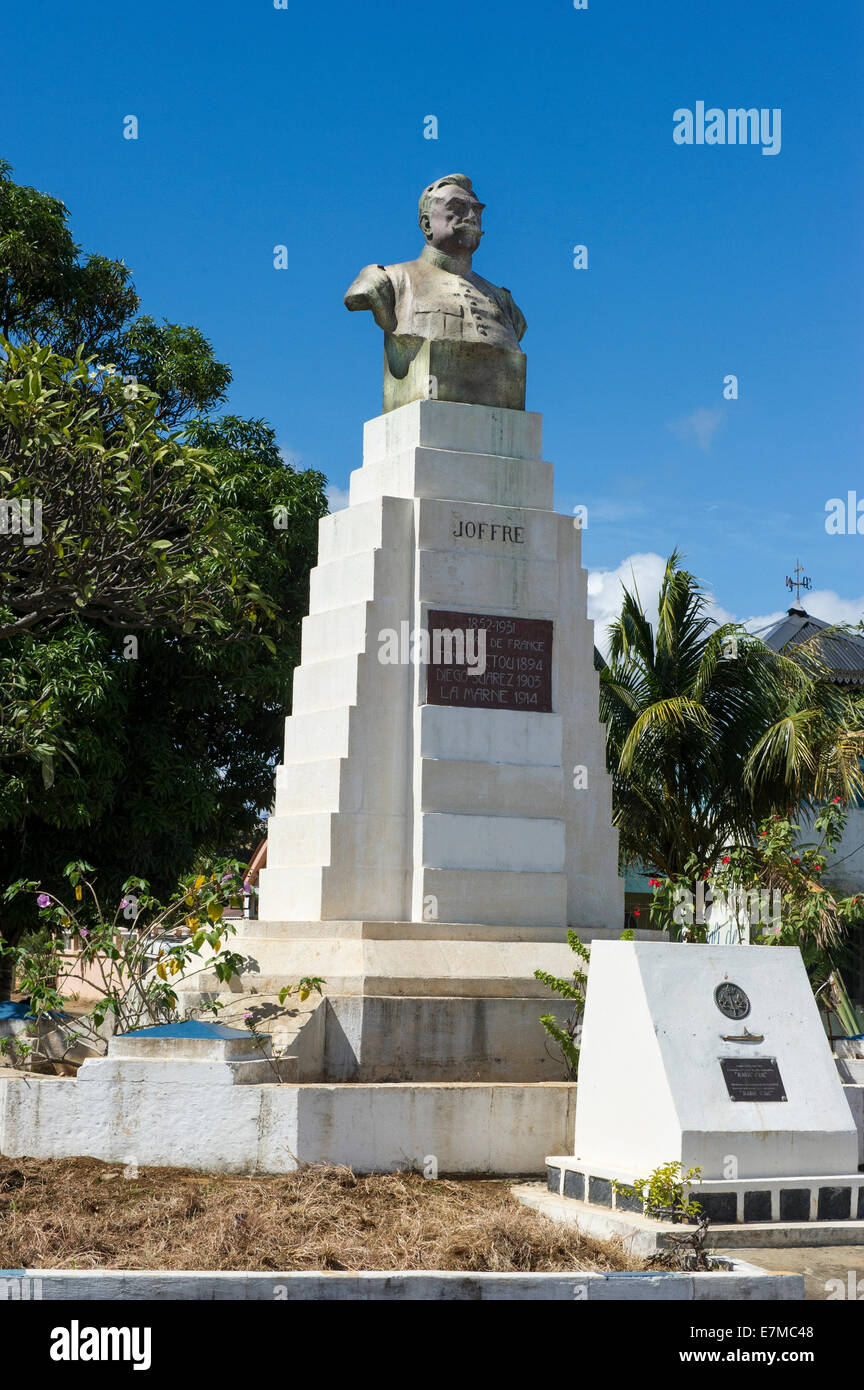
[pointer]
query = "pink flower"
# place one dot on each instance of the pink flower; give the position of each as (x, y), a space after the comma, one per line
(637, 913)
(836, 800)
(226, 878)
(725, 858)
(43, 900)
(247, 886)
(85, 931)
(246, 1017)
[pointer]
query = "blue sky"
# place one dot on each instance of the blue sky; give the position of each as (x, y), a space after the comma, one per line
(304, 127)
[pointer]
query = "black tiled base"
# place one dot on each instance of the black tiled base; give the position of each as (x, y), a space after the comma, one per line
(719, 1207)
(757, 1206)
(599, 1191)
(843, 1202)
(574, 1185)
(794, 1204)
(835, 1204)
(623, 1203)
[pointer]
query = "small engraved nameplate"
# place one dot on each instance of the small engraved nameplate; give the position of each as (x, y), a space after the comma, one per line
(752, 1079)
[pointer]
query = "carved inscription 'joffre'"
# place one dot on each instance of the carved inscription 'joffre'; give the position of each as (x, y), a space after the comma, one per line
(488, 531)
(518, 666)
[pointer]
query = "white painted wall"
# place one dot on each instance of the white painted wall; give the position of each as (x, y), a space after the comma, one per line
(467, 1128)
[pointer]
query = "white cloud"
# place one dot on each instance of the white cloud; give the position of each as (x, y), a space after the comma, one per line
(763, 620)
(820, 603)
(337, 497)
(644, 572)
(605, 591)
(700, 426)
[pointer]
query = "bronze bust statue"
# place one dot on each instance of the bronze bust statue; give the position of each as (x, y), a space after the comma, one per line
(449, 333)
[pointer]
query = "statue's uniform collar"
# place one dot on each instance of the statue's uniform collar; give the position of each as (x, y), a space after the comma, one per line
(457, 265)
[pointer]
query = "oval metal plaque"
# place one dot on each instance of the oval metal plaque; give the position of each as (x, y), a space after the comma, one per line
(731, 1000)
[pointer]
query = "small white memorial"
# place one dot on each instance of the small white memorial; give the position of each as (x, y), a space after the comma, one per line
(713, 1057)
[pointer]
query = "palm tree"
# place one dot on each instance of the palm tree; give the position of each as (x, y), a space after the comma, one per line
(709, 731)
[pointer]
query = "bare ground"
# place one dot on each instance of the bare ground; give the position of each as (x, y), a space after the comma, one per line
(83, 1214)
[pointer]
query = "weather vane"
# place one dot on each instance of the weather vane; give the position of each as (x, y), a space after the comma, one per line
(800, 580)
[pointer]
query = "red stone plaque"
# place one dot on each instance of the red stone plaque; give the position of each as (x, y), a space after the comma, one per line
(515, 674)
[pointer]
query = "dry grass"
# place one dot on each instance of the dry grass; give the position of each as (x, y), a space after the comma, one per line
(80, 1213)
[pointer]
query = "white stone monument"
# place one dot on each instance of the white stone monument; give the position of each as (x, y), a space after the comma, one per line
(436, 831)
(443, 811)
(393, 808)
(713, 1057)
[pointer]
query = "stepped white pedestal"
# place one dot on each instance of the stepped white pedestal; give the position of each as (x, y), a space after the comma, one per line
(490, 811)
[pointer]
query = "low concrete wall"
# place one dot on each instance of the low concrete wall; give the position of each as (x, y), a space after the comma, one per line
(739, 1281)
(393, 1038)
(467, 1128)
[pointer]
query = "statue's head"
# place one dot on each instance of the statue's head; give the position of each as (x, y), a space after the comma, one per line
(450, 215)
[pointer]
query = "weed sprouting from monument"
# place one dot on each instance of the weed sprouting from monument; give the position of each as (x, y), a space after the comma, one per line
(566, 1034)
(665, 1195)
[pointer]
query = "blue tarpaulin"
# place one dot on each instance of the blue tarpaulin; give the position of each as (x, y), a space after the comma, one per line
(19, 1008)
(192, 1028)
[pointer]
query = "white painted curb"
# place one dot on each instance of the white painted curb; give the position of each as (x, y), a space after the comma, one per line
(740, 1282)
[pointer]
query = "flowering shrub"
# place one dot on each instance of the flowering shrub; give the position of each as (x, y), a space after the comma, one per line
(130, 956)
(777, 884)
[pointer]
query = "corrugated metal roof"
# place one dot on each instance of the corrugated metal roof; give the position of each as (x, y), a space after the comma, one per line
(840, 651)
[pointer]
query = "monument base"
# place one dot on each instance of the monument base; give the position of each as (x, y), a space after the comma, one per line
(402, 1001)
(644, 1236)
(744, 1201)
(441, 369)
(203, 1096)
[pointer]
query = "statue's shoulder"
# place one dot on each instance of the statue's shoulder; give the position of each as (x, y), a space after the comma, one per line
(490, 288)
(506, 300)
(371, 275)
(407, 270)
(375, 289)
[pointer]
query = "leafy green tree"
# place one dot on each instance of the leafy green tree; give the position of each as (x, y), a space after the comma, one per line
(170, 749)
(147, 641)
(708, 731)
(122, 533)
(52, 293)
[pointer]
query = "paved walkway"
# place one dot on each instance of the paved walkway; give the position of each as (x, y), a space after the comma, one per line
(818, 1264)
